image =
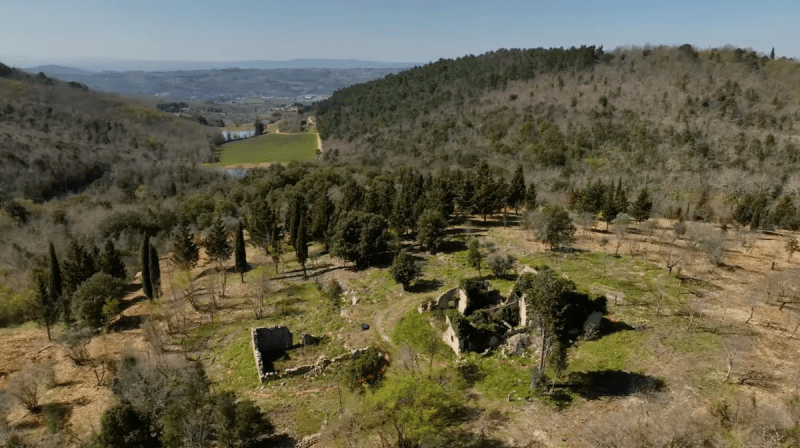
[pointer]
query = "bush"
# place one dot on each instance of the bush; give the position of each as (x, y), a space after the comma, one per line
(16, 307)
(55, 416)
(122, 426)
(553, 226)
(500, 264)
(29, 384)
(366, 370)
(75, 342)
(94, 299)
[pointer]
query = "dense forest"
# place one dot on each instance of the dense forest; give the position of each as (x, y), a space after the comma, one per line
(713, 128)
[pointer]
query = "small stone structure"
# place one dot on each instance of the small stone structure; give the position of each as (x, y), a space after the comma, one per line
(273, 338)
(452, 298)
(267, 340)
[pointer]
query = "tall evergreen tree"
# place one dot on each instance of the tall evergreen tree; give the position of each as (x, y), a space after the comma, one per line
(322, 212)
(155, 272)
(260, 221)
(620, 197)
(640, 209)
(184, 250)
(516, 190)
(47, 303)
(610, 208)
(54, 284)
(501, 196)
(486, 193)
(216, 243)
(531, 199)
(78, 266)
(772, 53)
(297, 213)
(301, 245)
(111, 262)
(240, 253)
(144, 257)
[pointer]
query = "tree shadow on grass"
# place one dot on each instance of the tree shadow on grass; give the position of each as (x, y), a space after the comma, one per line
(126, 323)
(612, 383)
(424, 285)
(451, 246)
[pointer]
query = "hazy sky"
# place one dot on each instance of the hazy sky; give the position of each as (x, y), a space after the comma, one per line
(407, 31)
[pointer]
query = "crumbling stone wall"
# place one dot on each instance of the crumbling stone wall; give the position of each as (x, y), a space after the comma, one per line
(312, 369)
(451, 338)
(452, 298)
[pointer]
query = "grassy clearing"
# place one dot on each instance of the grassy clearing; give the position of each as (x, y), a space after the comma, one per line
(270, 148)
(617, 351)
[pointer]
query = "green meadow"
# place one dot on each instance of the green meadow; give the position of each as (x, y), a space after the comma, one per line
(270, 148)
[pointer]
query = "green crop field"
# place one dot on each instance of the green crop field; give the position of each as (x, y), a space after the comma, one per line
(270, 148)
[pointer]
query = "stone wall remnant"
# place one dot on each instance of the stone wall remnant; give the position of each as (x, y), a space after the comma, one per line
(452, 298)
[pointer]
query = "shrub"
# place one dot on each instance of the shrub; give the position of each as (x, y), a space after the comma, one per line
(500, 264)
(75, 342)
(365, 370)
(94, 300)
(55, 416)
(122, 426)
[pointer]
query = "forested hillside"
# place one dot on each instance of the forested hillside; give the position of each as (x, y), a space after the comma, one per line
(58, 137)
(716, 126)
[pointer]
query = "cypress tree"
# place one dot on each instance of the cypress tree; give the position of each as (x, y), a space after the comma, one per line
(155, 272)
(321, 213)
(240, 253)
(516, 190)
(184, 249)
(530, 198)
(47, 303)
(54, 286)
(501, 196)
(296, 214)
(301, 245)
(78, 267)
(147, 286)
(111, 262)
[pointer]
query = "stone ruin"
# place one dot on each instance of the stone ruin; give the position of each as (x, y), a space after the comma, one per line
(265, 340)
(277, 339)
(452, 298)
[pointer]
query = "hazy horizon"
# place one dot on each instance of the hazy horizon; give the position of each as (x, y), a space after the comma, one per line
(63, 32)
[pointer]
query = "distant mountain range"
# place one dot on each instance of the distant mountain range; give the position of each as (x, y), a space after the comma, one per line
(86, 66)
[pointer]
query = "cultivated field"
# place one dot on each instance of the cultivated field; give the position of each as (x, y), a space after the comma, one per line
(270, 148)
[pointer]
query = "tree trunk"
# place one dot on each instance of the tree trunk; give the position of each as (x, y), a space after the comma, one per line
(541, 356)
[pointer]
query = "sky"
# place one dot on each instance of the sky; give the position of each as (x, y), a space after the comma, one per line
(65, 31)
